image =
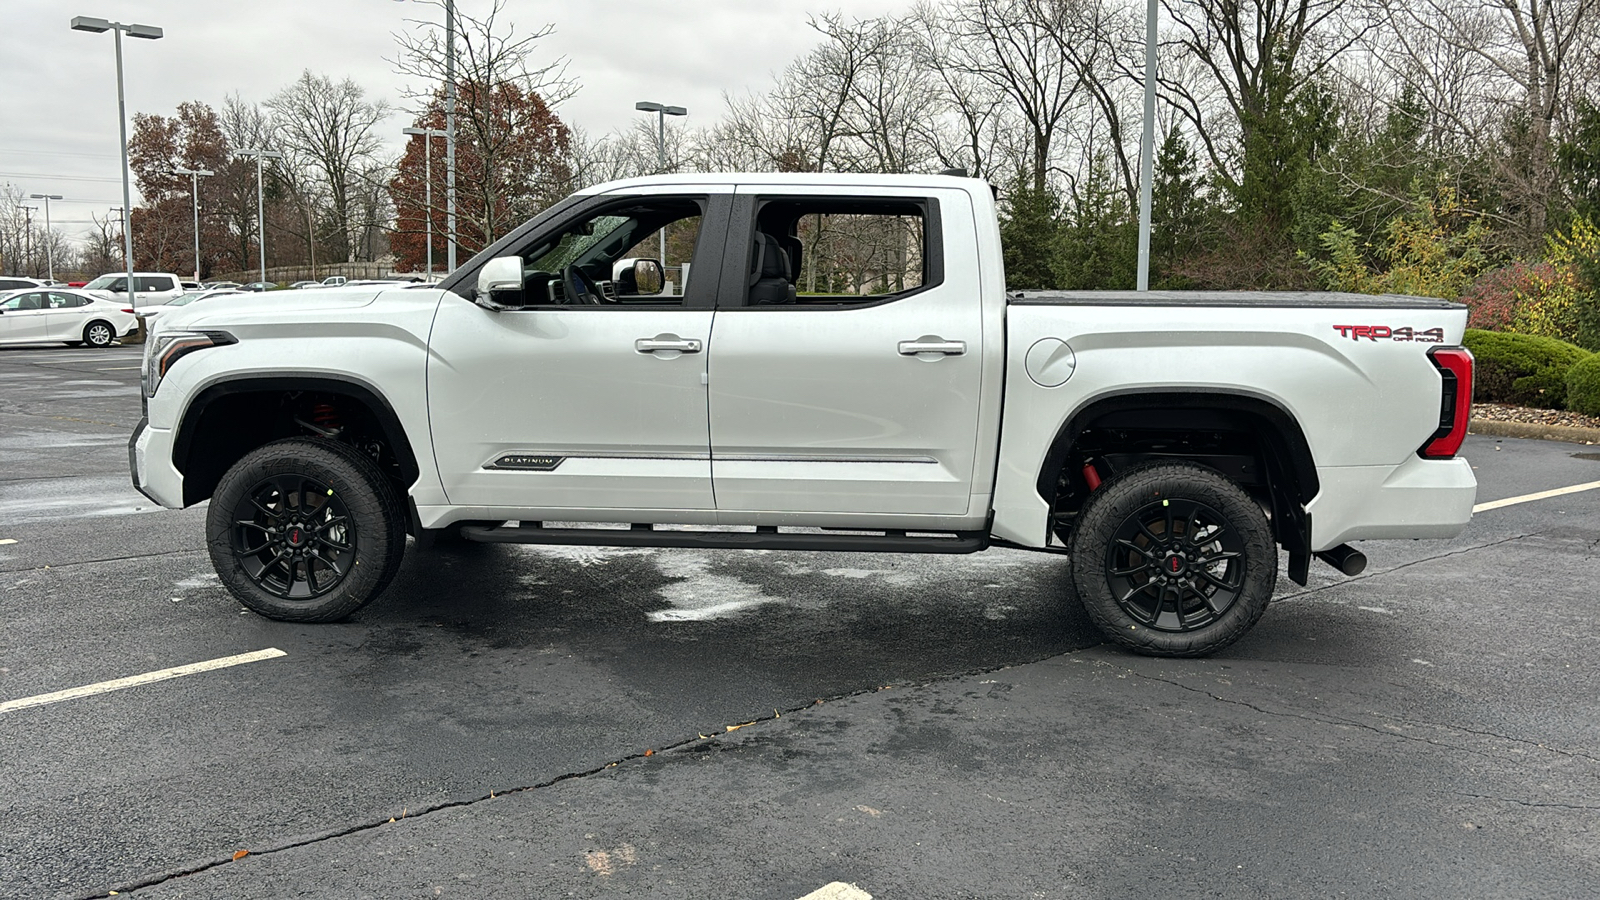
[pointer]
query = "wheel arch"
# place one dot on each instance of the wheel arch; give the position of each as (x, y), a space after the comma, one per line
(1286, 457)
(216, 430)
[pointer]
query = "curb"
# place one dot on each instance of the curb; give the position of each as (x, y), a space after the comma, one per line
(1570, 433)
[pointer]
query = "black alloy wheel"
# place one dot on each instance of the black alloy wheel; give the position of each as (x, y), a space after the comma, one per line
(294, 537)
(306, 530)
(1175, 565)
(98, 334)
(1173, 559)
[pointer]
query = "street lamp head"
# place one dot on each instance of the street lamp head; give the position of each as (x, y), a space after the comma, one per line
(424, 132)
(44, 196)
(675, 111)
(193, 172)
(90, 24)
(647, 106)
(148, 32)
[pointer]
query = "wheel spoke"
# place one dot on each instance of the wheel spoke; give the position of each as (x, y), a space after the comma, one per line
(1135, 548)
(336, 520)
(1219, 583)
(311, 575)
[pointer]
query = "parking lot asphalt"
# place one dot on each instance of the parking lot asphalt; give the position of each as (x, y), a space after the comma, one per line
(587, 722)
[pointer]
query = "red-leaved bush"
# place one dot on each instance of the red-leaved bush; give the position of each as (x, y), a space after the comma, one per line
(1494, 299)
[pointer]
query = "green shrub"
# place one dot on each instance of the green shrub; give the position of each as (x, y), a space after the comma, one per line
(1583, 386)
(1521, 369)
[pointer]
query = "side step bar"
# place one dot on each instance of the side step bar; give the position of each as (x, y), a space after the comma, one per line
(766, 537)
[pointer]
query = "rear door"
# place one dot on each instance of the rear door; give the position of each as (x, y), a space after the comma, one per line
(858, 395)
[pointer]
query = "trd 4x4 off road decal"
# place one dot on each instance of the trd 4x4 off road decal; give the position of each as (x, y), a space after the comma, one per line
(1385, 333)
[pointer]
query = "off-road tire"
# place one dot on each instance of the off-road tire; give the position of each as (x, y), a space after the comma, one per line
(1155, 591)
(373, 535)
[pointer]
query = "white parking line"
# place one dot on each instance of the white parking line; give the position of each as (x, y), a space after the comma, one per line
(117, 684)
(838, 890)
(118, 368)
(8, 541)
(1528, 498)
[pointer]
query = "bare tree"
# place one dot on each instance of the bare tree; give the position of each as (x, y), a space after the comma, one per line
(1528, 50)
(1009, 46)
(332, 125)
(513, 152)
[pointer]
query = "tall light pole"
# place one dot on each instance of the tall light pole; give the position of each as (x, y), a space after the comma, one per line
(148, 32)
(117, 210)
(1147, 147)
(49, 248)
(661, 148)
(27, 233)
(194, 193)
(427, 135)
(449, 130)
(261, 208)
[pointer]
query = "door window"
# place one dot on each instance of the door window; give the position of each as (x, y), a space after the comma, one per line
(612, 257)
(64, 301)
(821, 252)
(149, 284)
(23, 302)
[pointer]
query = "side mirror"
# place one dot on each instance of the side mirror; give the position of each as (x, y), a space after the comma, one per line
(638, 277)
(500, 284)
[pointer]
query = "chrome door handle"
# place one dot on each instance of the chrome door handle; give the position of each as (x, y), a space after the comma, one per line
(651, 345)
(948, 348)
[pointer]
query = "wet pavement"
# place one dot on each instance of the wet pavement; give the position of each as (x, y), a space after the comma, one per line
(595, 722)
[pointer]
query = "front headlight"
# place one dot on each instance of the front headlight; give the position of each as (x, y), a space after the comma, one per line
(164, 348)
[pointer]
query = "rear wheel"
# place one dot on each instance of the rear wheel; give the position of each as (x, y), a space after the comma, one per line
(1173, 559)
(99, 334)
(305, 530)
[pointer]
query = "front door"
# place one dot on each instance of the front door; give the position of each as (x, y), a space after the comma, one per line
(856, 392)
(592, 394)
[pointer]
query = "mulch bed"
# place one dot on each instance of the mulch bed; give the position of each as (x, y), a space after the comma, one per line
(1499, 412)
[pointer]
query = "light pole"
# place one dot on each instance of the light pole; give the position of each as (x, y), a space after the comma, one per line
(261, 209)
(49, 249)
(194, 193)
(1147, 147)
(148, 32)
(118, 211)
(27, 233)
(449, 131)
(427, 135)
(661, 149)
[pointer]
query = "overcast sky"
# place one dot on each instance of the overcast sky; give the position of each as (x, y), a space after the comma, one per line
(58, 101)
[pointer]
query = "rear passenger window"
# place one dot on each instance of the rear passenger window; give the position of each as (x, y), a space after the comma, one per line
(840, 252)
(153, 283)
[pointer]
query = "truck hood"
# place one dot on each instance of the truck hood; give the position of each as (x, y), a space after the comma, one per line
(272, 307)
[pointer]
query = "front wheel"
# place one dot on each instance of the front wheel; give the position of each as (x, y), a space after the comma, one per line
(1173, 559)
(305, 530)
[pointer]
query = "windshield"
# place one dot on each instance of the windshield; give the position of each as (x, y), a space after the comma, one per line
(103, 282)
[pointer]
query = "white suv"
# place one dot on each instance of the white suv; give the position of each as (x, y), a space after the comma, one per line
(153, 288)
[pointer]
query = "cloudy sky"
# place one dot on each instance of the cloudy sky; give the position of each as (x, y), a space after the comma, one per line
(58, 102)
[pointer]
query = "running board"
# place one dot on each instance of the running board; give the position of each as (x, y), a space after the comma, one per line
(766, 537)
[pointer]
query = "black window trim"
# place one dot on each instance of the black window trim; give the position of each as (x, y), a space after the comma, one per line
(715, 211)
(737, 260)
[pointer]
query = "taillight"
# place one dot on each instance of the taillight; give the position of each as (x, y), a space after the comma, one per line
(1455, 402)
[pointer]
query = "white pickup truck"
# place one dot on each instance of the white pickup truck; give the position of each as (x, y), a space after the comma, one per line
(842, 369)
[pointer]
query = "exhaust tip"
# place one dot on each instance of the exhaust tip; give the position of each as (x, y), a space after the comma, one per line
(1345, 558)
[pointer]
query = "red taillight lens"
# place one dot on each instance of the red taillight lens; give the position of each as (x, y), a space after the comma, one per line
(1455, 403)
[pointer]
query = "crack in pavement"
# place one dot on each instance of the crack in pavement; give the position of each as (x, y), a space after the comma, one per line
(1334, 721)
(1405, 565)
(86, 562)
(197, 867)
(1528, 803)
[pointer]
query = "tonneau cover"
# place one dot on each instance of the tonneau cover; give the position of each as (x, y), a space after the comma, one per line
(1297, 299)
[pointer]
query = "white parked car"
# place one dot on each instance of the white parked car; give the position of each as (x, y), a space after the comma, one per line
(69, 315)
(151, 313)
(153, 288)
(19, 283)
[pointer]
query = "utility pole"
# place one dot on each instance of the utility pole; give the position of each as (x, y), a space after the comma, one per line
(427, 135)
(27, 233)
(1147, 147)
